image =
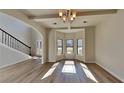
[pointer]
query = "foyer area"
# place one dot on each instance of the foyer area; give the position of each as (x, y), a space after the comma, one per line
(64, 71)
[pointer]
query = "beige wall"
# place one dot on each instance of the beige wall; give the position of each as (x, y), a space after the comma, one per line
(90, 44)
(109, 44)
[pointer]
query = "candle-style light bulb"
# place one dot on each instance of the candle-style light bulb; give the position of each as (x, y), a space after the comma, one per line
(64, 18)
(60, 14)
(71, 18)
(74, 14)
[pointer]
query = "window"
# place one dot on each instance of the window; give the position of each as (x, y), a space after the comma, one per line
(39, 48)
(79, 46)
(59, 47)
(39, 44)
(70, 46)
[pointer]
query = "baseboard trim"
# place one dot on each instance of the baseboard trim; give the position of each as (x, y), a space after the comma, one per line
(111, 73)
(89, 61)
(5, 66)
(60, 60)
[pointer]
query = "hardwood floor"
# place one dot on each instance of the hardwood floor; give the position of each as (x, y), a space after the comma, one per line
(68, 71)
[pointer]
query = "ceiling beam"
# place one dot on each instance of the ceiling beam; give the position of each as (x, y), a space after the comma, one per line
(97, 12)
(87, 13)
(62, 28)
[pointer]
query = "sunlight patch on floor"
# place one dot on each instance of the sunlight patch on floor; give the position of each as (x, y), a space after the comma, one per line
(69, 67)
(88, 72)
(35, 57)
(51, 70)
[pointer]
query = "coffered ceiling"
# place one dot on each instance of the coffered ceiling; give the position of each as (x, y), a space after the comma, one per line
(49, 18)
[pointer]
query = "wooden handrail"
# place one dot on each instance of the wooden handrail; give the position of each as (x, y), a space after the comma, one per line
(15, 39)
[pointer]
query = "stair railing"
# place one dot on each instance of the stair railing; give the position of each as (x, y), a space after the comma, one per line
(13, 42)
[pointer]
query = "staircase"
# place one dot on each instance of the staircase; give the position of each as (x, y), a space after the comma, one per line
(11, 41)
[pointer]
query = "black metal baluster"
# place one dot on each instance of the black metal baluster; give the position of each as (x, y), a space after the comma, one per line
(13, 42)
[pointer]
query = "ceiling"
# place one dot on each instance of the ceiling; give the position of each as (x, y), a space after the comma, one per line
(78, 22)
(40, 12)
(72, 30)
(47, 17)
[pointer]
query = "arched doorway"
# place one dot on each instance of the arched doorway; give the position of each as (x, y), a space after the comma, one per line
(37, 45)
(36, 33)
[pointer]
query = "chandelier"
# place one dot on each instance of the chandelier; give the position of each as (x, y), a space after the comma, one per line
(67, 15)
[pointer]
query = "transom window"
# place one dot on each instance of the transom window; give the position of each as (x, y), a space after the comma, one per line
(70, 46)
(59, 47)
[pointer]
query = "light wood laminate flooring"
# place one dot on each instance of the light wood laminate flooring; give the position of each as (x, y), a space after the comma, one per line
(66, 71)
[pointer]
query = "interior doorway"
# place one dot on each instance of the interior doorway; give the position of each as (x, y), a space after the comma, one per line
(39, 48)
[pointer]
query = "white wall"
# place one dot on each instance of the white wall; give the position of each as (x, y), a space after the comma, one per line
(9, 56)
(16, 28)
(90, 44)
(52, 46)
(109, 44)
